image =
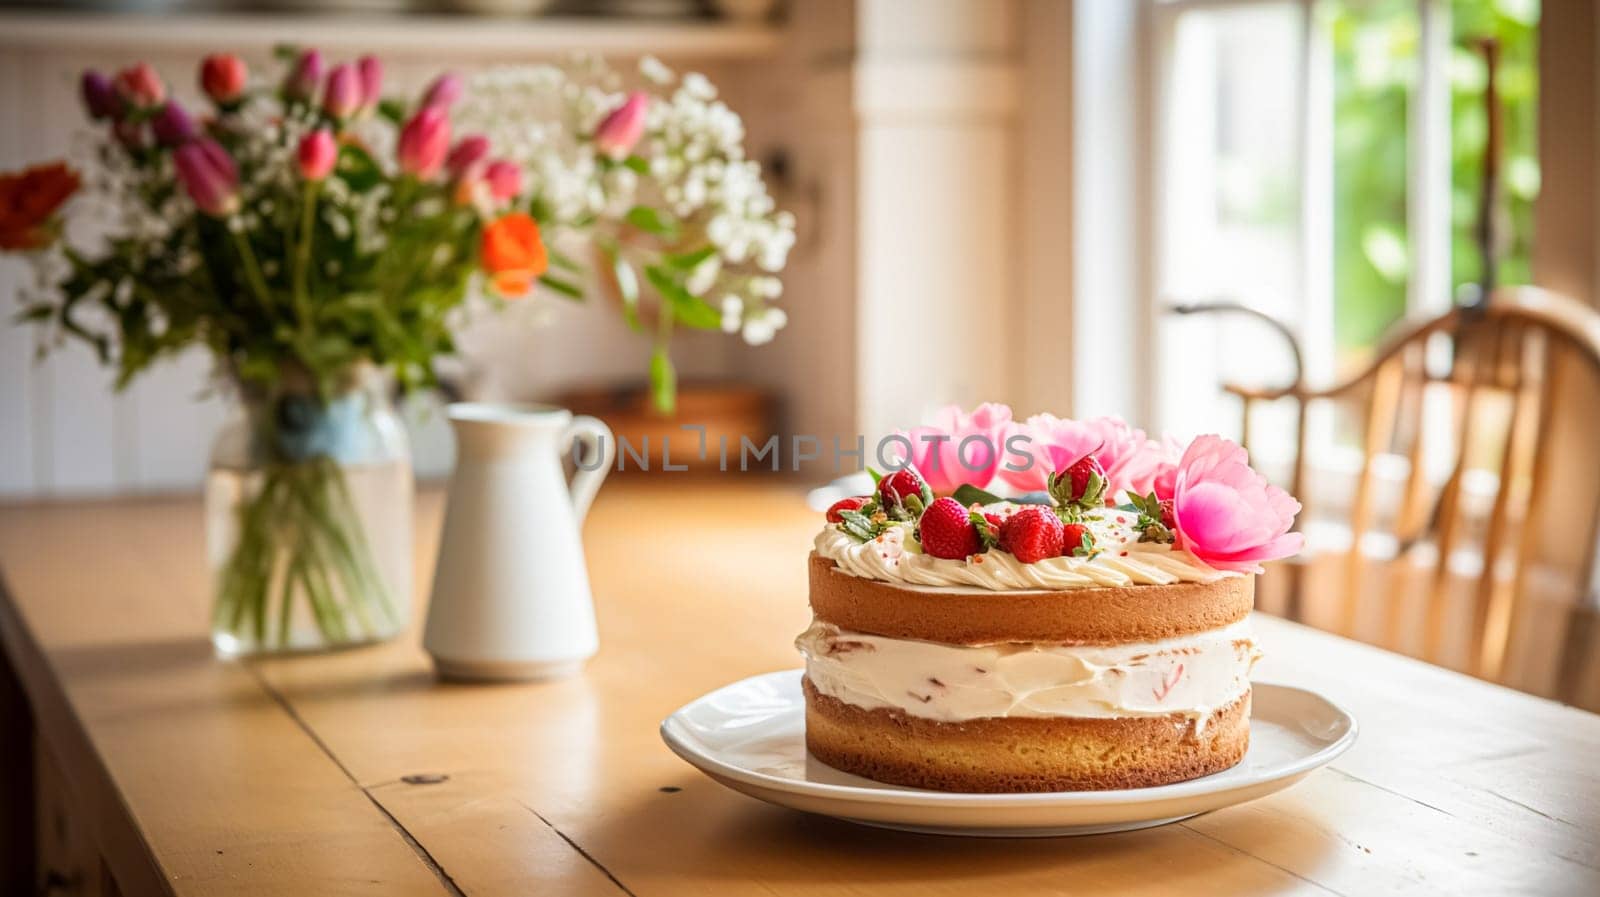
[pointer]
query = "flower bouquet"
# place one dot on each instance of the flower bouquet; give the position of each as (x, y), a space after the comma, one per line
(319, 239)
(678, 219)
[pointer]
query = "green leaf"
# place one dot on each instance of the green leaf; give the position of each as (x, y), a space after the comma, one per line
(688, 261)
(651, 221)
(986, 531)
(859, 525)
(358, 169)
(565, 288)
(969, 495)
(690, 309)
(565, 262)
(627, 285)
(392, 110)
(639, 165)
(1086, 548)
(663, 381)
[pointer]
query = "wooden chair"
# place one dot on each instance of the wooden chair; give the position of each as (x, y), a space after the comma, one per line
(1521, 373)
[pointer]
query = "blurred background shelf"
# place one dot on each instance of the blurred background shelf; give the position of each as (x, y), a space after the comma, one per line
(438, 37)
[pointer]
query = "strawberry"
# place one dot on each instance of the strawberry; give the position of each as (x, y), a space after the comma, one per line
(1032, 534)
(846, 504)
(1088, 480)
(1073, 537)
(896, 487)
(1168, 518)
(947, 530)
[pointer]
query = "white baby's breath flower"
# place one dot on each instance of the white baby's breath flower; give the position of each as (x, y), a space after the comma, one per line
(757, 332)
(655, 71)
(699, 86)
(704, 276)
(766, 287)
(732, 313)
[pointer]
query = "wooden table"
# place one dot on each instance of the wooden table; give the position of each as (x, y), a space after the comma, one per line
(164, 770)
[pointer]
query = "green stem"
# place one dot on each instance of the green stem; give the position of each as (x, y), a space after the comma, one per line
(252, 269)
(302, 254)
(286, 597)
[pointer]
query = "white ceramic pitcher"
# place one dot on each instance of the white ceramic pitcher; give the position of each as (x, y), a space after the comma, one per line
(511, 593)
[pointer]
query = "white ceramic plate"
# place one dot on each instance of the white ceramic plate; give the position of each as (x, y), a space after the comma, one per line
(750, 736)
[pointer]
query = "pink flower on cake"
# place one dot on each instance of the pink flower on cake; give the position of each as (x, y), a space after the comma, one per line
(1132, 460)
(1047, 444)
(958, 448)
(1226, 514)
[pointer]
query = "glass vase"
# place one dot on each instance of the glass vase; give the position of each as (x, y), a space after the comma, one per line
(308, 518)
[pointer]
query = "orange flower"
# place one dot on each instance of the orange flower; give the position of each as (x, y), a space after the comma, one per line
(29, 199)
(513, 254)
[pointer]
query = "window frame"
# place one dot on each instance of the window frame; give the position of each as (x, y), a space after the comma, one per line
(1428, 225)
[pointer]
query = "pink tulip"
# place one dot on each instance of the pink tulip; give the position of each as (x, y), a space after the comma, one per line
(621, 130)
(140, 86)
(99, 96)
(343, 95)
(371, 71)
(444, 91)
(222, 77)
(1226, 514)
(468, 152)
(958, 448)
(209, 175)
(172, 125)
(303, 80)
(424, 142)
(317, 154)
(504, 179)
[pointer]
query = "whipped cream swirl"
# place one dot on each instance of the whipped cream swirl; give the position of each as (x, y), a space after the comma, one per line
(895, 557)
(1194, 675)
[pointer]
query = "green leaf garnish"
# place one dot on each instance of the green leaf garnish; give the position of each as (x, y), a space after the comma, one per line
(861, 527)
(986, 531)
(970, 495)
(1086, 548)
(1150, 525)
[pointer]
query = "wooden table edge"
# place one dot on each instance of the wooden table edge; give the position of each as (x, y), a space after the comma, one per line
(122, 845)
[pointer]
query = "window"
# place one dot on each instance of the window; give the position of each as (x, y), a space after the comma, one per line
(1320, 161)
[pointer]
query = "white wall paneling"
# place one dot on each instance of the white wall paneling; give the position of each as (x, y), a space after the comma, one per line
(1047, 232)
(16, 346)
(935, 90)
(1109, 247)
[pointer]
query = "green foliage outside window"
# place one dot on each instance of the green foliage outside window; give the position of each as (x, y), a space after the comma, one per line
(1375, 49)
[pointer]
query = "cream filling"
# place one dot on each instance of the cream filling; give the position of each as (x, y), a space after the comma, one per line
(896, 557)
(1193, 675)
